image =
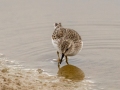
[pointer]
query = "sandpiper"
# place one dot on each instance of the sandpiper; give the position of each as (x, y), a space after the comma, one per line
(67, 42)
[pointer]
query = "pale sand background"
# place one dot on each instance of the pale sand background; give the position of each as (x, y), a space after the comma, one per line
(25, 37)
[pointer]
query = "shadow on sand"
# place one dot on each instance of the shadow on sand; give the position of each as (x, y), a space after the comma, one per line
(71, 72)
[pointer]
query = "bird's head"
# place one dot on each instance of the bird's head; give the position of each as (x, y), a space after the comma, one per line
(66, 48)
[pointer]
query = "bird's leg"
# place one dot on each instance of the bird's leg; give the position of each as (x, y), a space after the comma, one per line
(66, 60)
(58, 59)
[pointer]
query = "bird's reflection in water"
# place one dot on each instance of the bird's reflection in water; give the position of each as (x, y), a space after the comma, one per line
(71, 72)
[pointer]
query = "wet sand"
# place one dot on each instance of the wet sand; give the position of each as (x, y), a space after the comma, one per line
(12, 78)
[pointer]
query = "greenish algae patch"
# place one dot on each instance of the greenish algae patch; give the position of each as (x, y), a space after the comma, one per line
(71, 72)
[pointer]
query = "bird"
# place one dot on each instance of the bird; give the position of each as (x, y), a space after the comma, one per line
(66, 41)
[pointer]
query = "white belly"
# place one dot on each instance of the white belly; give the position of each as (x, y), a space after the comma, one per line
(55, 44)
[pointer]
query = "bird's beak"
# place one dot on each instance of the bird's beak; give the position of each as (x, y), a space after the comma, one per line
(61, 58)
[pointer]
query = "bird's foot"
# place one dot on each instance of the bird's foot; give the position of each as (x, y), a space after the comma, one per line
(67, 62)
(59, 63)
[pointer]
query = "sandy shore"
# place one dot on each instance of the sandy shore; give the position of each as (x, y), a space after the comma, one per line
(12, 78)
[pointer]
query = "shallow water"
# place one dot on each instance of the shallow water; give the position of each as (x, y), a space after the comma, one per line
(26, 28)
